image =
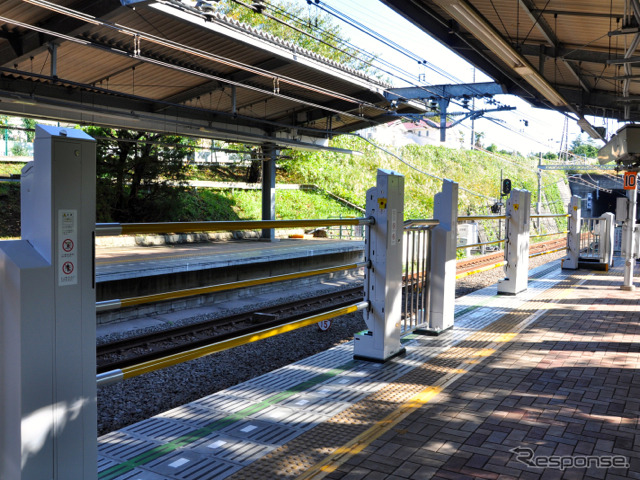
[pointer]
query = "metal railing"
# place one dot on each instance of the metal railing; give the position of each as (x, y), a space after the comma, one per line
(416, 271)
(114, 229)
(114, 304)
(481, 245)
(590, 232)
(119, 375)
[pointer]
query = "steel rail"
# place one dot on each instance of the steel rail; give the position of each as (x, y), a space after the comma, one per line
(549, 234)
(114, 229)
(115, 376)
(472, 245)
(548, 251)
(106, 305)
(481, 269)
(550, 215)
(482, 217)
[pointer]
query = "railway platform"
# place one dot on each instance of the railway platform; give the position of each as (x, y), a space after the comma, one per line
(130, 271)
(538, 385)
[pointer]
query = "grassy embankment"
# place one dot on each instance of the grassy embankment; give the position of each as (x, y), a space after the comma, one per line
(349, 176)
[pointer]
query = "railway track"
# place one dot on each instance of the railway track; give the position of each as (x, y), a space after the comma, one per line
(155, 345)
(493, 258)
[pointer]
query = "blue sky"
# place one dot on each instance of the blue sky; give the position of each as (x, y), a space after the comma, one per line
(544, 130)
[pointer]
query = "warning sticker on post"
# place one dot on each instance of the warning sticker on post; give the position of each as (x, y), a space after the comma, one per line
(67, 247)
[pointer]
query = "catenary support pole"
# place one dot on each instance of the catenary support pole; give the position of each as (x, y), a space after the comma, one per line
(268, 188)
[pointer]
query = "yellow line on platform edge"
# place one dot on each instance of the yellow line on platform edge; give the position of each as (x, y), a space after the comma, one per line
(359, 443)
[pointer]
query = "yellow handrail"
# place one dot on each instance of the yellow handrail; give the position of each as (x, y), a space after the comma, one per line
(159, 297)
(114, 376)
(464, 218)
(114, 229)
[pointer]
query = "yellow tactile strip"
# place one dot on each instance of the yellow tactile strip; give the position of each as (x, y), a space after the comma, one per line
(331, 437)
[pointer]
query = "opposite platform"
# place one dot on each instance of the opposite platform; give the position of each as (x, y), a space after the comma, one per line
(547, 376)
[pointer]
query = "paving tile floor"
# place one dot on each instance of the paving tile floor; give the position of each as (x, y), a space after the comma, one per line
(561, 399)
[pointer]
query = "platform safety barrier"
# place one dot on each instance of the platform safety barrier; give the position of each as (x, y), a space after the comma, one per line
(118, 375)
(416, 274)
(597, 241)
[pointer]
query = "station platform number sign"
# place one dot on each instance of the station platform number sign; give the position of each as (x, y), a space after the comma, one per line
(630, 180)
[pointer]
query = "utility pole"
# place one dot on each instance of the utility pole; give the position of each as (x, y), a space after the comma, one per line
(473, 108)
(539, 192)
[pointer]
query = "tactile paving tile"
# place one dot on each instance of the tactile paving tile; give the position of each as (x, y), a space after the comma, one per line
(194, 414)
(122, 447)
(138, 474)
(161, 429)
(224, 447)
(258, 431)
(188, 465)
(293, 418)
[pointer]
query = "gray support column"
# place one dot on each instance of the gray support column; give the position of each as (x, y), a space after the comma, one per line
(516, 252)
(444, 103)
(443, 258)
(629, 240)
(269, 189)
(383, 280)
(48, 424)
(570, 262)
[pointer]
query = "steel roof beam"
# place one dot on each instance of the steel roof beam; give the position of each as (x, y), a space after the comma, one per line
(546, 30)
(570, 13)
(565, 52)
(32, 43)
(436, 92)
(273, 64)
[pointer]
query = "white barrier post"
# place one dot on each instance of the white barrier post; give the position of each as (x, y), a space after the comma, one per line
(607, 232)
(516, 251)
(570, 262)
(383, 280)
(48, 425)
(443, 258)
(628, 239)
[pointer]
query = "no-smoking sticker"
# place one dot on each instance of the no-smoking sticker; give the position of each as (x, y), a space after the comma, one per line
(67, 245)
(67, 252)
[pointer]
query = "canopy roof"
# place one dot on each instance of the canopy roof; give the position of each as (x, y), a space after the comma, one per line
(576, 56)
(167, 66)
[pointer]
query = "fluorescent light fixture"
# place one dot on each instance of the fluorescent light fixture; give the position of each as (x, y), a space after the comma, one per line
(484, 32)
(466, 16)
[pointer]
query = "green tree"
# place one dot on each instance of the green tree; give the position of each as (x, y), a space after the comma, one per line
(581, 147)
(140, 175)
(30, 124)
(312, 29)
